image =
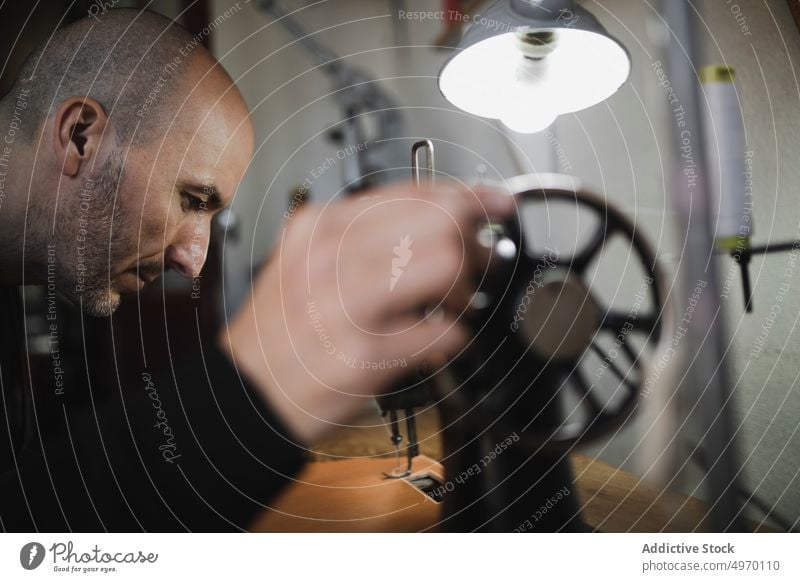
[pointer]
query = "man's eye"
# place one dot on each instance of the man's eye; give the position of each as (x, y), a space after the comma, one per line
(190, 202)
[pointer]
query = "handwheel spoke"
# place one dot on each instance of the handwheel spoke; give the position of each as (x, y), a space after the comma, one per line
(589, 395)
(594, 246)
(616, 320)
(629, 352)
(609, 361)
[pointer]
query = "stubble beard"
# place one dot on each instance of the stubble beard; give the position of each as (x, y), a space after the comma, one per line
(90, 231)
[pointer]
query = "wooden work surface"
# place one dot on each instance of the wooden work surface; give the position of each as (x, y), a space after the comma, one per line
(339, 493)
(354, 496)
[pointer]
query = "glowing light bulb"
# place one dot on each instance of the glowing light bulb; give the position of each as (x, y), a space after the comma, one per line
(529, 120)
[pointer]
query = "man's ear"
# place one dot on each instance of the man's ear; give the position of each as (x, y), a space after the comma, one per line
(77, 128)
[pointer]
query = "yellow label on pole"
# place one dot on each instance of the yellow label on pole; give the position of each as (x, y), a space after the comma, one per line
(717, 74)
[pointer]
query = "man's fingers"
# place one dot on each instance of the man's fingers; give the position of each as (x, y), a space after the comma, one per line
(443, 277)
(471, 204)
(465, 204)
(432, 338)
(409, 249)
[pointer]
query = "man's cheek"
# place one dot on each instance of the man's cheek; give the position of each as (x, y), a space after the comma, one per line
(156, 227)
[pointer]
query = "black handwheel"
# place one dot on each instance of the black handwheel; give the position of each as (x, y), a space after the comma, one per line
(542, 331)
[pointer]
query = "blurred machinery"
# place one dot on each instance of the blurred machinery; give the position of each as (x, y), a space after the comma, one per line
(369, 114)
(550, 365)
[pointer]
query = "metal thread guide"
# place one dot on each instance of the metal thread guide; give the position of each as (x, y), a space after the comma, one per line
(410, 398)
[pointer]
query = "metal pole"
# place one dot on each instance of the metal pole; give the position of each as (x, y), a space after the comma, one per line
(707, 382)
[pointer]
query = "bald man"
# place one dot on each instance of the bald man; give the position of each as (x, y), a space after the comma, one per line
(128, 137)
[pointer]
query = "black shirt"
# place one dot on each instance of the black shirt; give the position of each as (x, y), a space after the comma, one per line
(189, 448)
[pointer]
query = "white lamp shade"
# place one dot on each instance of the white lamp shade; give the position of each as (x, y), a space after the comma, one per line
(492, 77)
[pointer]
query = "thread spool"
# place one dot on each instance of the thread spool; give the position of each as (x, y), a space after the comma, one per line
(725, 158)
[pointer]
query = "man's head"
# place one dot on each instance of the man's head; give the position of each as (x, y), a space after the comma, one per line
(135, 137)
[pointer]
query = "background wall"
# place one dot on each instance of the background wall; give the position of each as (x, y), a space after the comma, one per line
(621, 148)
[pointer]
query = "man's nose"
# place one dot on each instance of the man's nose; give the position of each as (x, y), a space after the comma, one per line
(188, 255)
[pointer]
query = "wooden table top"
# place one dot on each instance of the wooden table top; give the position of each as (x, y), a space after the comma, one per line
(344, 489)
(354, 496)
